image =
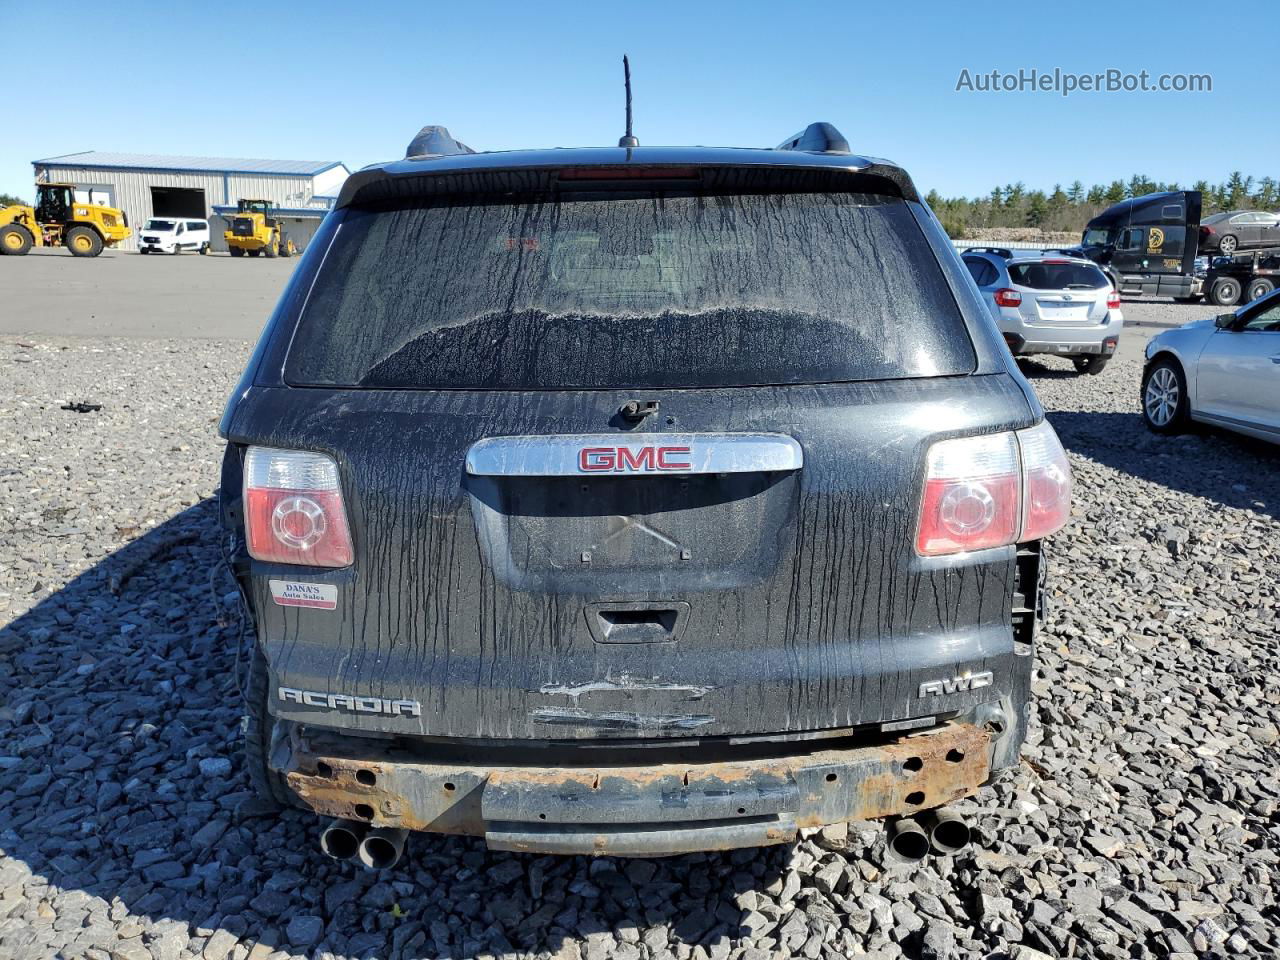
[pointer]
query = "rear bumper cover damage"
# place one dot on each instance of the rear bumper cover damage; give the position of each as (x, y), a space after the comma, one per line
(654, 809)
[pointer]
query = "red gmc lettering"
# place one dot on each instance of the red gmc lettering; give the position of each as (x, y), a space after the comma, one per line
(674, 458)
(640, 460)
(626, 460)
(595, 459)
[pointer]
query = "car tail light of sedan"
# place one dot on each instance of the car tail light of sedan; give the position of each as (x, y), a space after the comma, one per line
(293, 508)
(1008, 298)
(994, 490)
(1113, 300)
(1207, 231)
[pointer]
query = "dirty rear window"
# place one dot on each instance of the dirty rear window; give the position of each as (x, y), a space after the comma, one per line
(638, 291)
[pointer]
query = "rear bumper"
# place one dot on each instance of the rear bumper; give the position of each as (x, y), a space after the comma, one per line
(1024, 338)
(1021, 347)
(656, 809)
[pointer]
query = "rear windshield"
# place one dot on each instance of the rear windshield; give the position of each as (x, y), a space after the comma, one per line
(641, 291)
(1057, 276)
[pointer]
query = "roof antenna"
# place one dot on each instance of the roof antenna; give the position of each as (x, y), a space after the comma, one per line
(628, 140)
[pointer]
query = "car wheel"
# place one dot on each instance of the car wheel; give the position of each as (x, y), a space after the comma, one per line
(1259, 289)
(1225, 291)
(1228, 245)
(268, 784)
(143, 251)
(1091, 364)
(175, 250)
(1164, 396)
(204, 249)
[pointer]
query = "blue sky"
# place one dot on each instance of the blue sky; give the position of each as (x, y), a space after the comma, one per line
(354, 82)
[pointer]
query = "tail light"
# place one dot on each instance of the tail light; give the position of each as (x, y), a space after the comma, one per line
(1208, 231)
(994, 490)
(1008, 298)
(293, 508)
(1113, 300)
(1046, 482)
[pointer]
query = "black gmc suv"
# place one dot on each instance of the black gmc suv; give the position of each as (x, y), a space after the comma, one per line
(635, 501)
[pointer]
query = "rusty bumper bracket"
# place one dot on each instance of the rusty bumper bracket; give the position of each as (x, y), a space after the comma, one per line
(653, 810)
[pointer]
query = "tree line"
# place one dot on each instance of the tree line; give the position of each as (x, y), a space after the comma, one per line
(1071, 208)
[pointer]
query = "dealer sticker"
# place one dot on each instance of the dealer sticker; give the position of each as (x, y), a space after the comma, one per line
(291, 593)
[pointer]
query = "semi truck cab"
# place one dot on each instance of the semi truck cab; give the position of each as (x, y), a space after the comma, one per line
(1148, 244)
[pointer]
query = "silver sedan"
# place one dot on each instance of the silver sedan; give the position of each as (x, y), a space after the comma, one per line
(1222, 370)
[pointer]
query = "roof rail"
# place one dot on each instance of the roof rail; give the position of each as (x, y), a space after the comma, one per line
(434, 141)
(817, 138)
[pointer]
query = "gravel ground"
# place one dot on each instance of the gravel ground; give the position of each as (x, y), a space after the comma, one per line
(1143, 823)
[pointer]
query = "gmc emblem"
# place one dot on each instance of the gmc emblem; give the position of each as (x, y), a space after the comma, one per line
(634, 459)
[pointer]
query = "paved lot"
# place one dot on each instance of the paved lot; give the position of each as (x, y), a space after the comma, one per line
(119, 294)
(1143, 822)
(129, 295)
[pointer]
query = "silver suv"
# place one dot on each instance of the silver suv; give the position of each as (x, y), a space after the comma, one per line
(1050, 304)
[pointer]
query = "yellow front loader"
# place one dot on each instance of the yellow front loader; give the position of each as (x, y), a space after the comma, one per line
(256, 232)
(59, 219)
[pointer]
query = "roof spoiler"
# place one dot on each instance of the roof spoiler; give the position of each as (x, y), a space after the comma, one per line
(434, 141)
(817, 138)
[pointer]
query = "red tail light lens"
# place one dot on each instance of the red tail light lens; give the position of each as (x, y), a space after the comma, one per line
(971, 495)
(993, 491)
(293, 508)
(1008, 298)
(1113, 300)
(1046, 482)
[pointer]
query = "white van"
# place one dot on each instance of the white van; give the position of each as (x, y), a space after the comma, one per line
(173, 235)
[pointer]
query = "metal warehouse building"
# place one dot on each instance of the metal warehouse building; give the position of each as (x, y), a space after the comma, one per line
(147, 185)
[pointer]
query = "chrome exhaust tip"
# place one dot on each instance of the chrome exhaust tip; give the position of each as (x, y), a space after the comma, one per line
(381, 848)
(908, 840)
(340, 839)
(948, 831)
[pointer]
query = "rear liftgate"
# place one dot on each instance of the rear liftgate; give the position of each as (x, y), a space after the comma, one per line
(654, 808)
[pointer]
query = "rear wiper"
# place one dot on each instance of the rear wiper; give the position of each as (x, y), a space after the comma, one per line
(1079, 286)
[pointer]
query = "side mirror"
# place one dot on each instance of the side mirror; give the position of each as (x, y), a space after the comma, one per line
(1224, 321)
